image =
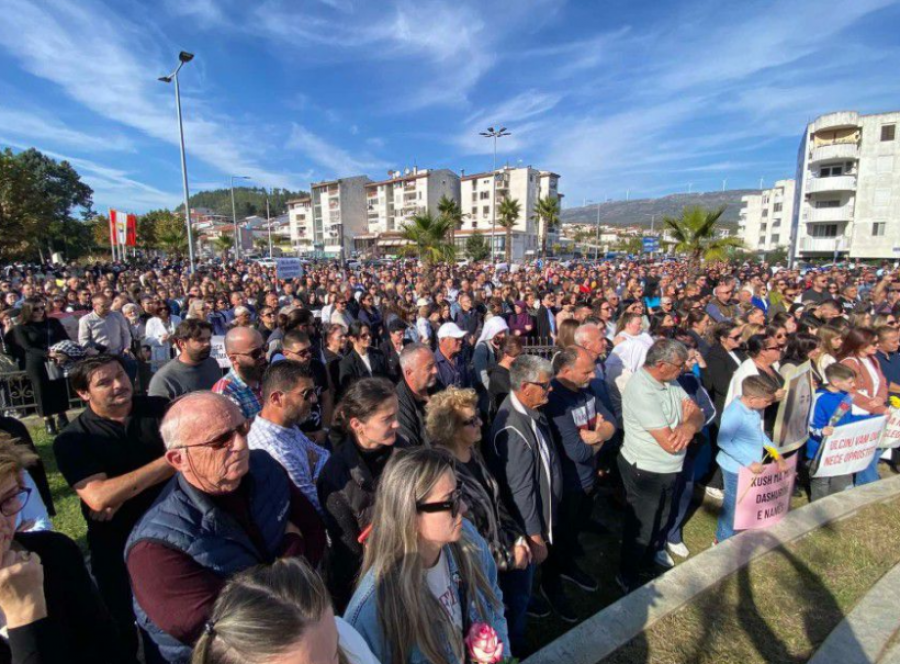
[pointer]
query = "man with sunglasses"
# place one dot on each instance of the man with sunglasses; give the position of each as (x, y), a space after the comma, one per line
(298, 347)
(289, 396)
(228, 508)
(193, 369)
(720, 307)
(112, 456)
(246, 351)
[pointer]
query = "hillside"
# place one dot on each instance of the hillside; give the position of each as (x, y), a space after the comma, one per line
(638, 212)
(248, 201)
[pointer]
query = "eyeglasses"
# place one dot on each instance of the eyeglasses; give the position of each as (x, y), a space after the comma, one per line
(223, 440)
(256, 353)
(451, 505)
(303, 352)
(12, 505)
(472, 421)
(543, 386)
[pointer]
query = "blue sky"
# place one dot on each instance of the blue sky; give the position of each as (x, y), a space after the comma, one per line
(613, 95)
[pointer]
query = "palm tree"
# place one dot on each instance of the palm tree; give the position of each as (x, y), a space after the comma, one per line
(449, 209)
(427, 238)
(223, 244)
(695, 234)
(507, 216)
(546, 213)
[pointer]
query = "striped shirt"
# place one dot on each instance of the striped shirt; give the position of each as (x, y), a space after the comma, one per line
(247, 398)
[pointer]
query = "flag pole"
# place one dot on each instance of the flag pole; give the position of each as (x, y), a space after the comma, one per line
(112, 234)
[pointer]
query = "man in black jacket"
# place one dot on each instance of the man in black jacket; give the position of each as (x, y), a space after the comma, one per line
(545, 319)
(419, 375)
(521, 456)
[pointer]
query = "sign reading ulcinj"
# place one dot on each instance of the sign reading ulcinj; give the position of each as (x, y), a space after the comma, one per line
(850, 448)
(763, 499)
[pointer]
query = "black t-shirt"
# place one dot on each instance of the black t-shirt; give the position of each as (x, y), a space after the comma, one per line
(91, 445)
(320, 380)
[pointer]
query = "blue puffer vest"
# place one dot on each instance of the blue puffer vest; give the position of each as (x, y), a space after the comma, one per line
(185, 519)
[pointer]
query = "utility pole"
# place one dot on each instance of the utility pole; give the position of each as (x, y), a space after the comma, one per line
(494, 134)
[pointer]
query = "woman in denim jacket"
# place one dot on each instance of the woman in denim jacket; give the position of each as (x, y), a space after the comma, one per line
(427, 575)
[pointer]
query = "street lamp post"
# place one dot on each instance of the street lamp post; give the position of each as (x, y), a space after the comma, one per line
(269, 223)
(495, 134)
(237, 231)
(183, 58)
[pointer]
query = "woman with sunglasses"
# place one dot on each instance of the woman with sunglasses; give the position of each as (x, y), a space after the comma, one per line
(428, 576)
(723, 359)
(32, 339)
(453, 424)
(362, 361)
(51, 608)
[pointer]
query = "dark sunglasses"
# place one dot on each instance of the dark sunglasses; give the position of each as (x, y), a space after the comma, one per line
(223, 440)
(256, 353)
(543, 386)
(451, 505)
(12, 505)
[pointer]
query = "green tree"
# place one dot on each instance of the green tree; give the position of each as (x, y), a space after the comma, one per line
(507, 216)
(449, 209)
(695, 234)
(546, 213)
(223, 244)
(38, 196)
(171, 232)
(248, 201)
(477, 247)
(428, 238)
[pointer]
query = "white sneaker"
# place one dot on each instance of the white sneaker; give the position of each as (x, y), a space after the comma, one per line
(663, 559)
(715, 494)
(679, 549)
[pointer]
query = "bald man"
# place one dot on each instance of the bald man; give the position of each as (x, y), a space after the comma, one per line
(228, 508)
(246, 351)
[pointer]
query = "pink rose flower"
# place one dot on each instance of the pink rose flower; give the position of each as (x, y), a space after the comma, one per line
(483, 644)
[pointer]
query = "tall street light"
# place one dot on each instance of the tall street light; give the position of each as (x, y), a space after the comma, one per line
(237, 231)
(495, 134)
(183, 58)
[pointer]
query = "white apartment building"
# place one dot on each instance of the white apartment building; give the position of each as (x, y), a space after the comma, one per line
(339, 215)
(480, 201)
(391, 203)
(301, 225)
(848, 191)
(766, 217)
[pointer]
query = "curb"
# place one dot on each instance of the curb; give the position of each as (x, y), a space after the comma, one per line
(865, 632)
(605, 632)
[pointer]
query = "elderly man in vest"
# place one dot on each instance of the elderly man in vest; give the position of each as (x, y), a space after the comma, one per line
(227, 508)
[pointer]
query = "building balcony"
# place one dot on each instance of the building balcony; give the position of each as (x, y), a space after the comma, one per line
(836, 183)
(840, 120)
(836, 151)
(835, 214)
(824, 244)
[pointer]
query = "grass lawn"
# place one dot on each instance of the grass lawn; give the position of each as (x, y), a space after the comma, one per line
(68, 517)
(781, 607)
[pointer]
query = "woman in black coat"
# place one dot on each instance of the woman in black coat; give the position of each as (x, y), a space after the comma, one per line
(34, 336)
(364, 436)
(361, 361)
(722, 361)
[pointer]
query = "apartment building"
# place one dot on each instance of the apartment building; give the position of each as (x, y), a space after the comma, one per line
(766, 217)
(391, 203)
(300, 221)
(481, 196)
(848, 187)
(339, 215)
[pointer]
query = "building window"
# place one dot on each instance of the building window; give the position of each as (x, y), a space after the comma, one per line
(775, 239)
(765, 213)
(878, 228)
(776, 223)
(830, 171)
(827, 204)
(485, 195)
(778, 207)
(485, 210)
(474, 210)
(888, 132)
(824, 230)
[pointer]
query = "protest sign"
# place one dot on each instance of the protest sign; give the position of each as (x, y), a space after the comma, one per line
(792, 421)
(218, 351)
(849, 449)
(764, 499)
(288, 268)
(891, 436)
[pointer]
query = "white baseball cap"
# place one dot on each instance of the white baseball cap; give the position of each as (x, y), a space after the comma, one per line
(450, 330)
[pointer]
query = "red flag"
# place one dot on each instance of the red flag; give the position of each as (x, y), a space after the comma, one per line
(131, 230)
(112, 227)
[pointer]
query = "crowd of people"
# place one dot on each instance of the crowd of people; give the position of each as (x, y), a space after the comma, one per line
(395, 458)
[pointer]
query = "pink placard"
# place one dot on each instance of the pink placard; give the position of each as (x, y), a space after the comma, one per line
(764, 499)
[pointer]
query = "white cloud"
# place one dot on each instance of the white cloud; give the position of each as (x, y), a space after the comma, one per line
(335, 161)
(33, 124)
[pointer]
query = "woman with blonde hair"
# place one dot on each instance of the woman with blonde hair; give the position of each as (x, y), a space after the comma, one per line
(428, 576)
(453, 424)
(832, 340)
(278, 613)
